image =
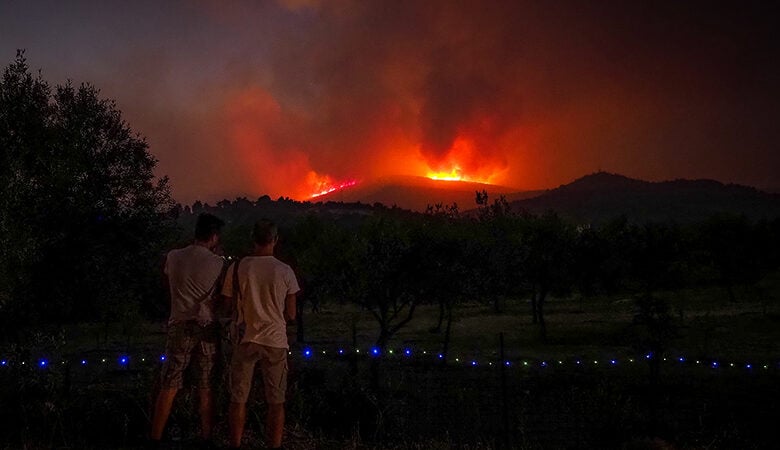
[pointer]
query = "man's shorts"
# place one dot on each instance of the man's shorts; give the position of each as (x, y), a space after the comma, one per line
(188, 343)
(273, 366)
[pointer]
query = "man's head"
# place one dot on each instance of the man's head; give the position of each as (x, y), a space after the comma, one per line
(207, 230)
(265, 233)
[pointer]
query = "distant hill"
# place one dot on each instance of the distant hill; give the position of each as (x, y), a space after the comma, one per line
(416, 193)
(602, 196)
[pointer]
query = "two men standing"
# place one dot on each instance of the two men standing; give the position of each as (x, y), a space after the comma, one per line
(262, 292)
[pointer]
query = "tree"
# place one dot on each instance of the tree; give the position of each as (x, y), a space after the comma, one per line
(548, 261)
(82, 216)
(657, 255)
(385, 276)
(326, 255)
(738, 251)
(442, 266)
(499, 251)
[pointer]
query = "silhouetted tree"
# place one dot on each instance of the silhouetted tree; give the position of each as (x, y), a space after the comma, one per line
(657, 254)
(82, 216)
(385, 276)
(548, 261)
(739, 252)
(443, 266)
(327, 258)
(498, 255)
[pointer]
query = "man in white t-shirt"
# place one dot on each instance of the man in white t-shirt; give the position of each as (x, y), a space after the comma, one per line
(263, 289)
(193, 273)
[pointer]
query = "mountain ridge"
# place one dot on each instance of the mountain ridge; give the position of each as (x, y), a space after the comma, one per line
(602, 195)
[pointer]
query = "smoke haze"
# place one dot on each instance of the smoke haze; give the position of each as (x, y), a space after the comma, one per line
(286, 98)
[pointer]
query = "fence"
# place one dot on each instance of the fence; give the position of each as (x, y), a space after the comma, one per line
(410, 395)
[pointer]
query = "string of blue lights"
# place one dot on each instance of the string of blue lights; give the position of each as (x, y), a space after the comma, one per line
(408, 353)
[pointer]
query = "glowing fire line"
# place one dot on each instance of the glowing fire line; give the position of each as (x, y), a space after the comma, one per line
(330, 189)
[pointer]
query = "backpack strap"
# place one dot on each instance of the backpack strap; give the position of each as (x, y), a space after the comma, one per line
(216, 288)
(238, 317)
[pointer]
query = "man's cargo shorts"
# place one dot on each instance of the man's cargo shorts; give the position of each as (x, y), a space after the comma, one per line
(273, 367)
(190, 345)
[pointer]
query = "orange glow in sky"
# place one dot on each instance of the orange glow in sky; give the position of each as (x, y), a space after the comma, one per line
(250, 97)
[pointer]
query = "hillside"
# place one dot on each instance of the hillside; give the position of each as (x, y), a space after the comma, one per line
(602, 196)
(416, 193)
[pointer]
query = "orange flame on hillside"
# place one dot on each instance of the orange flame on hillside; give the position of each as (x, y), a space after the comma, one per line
(323, 184)
(462, 153)
(455, 174)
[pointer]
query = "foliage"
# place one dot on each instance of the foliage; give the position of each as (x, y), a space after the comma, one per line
(325, 254)
(737, 251)
(384, 281)
(389, 260)
(82, 216)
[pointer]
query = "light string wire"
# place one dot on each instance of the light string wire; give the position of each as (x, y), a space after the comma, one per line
(306, 353)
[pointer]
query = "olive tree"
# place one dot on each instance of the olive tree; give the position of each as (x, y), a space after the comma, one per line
(82, 215)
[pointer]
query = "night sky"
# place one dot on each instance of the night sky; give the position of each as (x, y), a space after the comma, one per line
(283, 98)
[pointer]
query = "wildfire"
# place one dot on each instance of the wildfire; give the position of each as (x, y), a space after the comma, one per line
(462, 154)
(327, 189)
(456, 174)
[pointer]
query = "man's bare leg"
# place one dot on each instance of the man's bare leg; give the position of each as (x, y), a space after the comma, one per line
(206, 412)
(274, 424)
(236, 419)
(162, 409)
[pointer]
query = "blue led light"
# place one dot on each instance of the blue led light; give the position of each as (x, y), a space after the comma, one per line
(3, 363)
(124, 360)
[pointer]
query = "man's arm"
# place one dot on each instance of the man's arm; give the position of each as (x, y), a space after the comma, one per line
(290, 308)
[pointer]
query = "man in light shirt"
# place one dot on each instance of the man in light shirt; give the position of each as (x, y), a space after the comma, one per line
(194, 274)
(263, 289)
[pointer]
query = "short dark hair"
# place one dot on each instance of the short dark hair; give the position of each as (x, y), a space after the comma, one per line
(207, 226)
(264, 232)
